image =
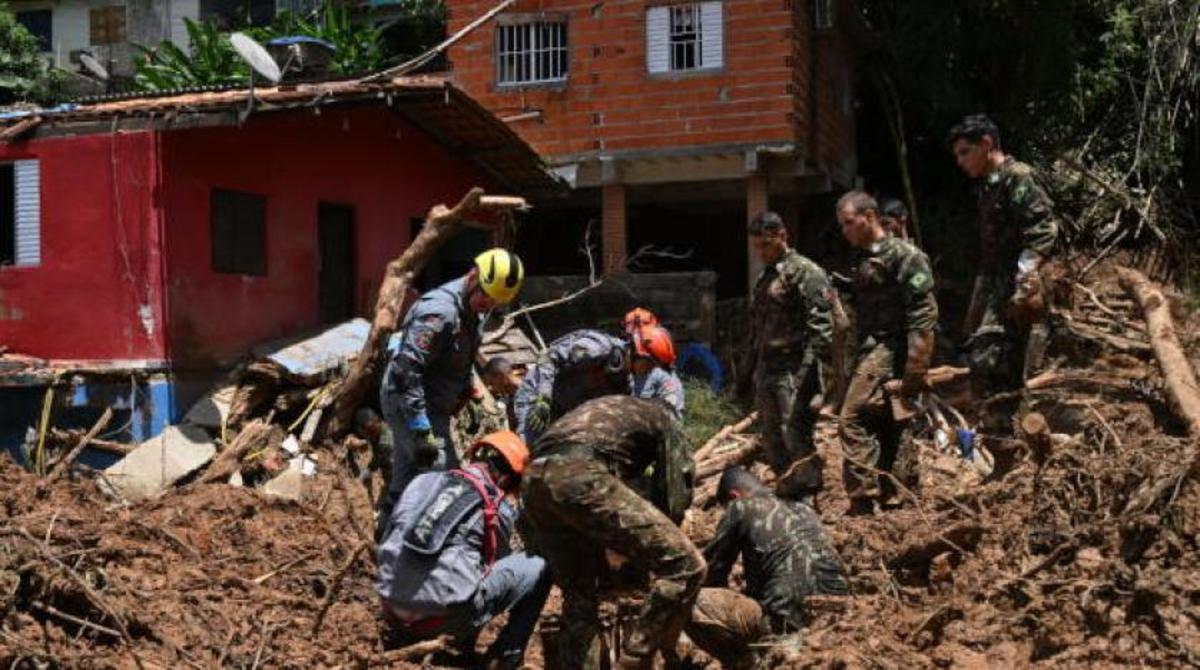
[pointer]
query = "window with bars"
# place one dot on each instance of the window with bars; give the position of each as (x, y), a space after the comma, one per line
(531, 52)
(823, 10)
(106, 25)
(684, 37)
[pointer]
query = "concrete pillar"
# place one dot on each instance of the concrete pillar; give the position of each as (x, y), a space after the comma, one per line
(756, 203)
(615, 233)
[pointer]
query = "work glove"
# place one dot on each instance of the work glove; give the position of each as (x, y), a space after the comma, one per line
(426, 445)
(538, 416)
(1027, 305)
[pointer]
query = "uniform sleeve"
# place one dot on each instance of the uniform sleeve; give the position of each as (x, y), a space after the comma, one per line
(722, 552)
(425, 338)
(1034, 210)
(916, 280)
(669, 389)
(817, 291)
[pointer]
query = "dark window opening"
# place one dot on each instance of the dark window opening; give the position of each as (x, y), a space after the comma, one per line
(453, 259)
(239, 233)
(8, 215)
(685, 37)
(40, 24)
(234, 14)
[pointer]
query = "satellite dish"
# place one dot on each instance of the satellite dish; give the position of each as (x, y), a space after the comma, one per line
(94, 66)
(256, 56)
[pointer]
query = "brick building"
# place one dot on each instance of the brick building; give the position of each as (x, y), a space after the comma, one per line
(672, 121)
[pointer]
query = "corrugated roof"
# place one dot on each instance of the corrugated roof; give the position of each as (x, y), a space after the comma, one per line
(431, 103)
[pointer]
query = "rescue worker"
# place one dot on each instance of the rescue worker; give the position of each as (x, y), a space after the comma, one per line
(502, 381)
(791, 330)
(896, 314)
(1006, 320)
(894, 216)
(786, 553)
(581, 510)
(445, 566)
(577, 367)
(636, 318)
(653, 368)
(429, 378)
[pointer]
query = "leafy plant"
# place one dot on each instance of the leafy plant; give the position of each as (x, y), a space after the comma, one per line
(359, 44)
(210, 59)
(23, 72)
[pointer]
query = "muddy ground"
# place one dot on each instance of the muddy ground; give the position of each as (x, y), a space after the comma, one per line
(1080, 551)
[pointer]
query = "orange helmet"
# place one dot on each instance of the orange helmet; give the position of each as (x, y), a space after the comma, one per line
(638, 317)
(506, 443)
(654, 341)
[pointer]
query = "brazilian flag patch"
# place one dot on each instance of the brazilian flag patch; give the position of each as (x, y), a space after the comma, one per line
(919, 282)
(1019, 193)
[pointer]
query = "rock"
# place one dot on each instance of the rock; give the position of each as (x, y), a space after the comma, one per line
(289, 484)
(158, 463)
(211, 411)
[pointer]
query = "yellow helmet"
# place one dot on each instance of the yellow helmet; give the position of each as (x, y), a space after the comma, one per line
(500, 274)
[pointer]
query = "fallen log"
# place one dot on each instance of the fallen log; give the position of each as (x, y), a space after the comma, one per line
(715, 441)
(1176, 368)
(441, 224)
(258, 434)
(715, 464)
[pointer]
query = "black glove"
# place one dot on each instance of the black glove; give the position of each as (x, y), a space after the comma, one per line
(538, 416)
(426, 449)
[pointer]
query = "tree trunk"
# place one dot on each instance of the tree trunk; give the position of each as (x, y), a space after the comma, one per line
(1176, 368)
(441, 224)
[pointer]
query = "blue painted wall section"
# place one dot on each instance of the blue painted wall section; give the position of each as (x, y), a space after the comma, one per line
(143, 405)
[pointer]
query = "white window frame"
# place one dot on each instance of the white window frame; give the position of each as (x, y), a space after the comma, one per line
(683, 38)
(27, 213)
(532, 51)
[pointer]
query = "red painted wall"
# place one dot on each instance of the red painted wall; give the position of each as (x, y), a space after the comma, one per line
(366, 157)
(100, 260)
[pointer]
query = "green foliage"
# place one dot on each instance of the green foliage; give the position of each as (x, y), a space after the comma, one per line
(210, 59)
(706, 411)
(359, 44)
(23, 72)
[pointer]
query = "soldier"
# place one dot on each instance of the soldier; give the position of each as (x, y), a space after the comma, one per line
(894, 216)
(896, 314)
(445, 566)
(577, 367)
(791, 329)
(429, 377)
(1006, 320)
(653, 368)
(786, 554)
(580, 508)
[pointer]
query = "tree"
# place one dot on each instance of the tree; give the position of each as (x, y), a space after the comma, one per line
(23, 73)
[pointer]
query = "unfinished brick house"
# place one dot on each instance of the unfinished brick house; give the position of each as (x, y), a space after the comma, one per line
(672, 121)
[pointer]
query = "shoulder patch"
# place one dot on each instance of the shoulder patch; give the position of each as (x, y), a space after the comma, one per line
(920, 281)
(1020, 191)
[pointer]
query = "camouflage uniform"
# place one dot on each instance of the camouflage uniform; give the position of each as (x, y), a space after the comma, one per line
(895, 309)
(785, 553)
(571, 371)
(578, 505)
(661, 384)
(1016, 217)
(791, 332)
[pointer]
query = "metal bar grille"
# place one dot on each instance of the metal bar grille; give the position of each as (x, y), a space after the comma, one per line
(531, 53)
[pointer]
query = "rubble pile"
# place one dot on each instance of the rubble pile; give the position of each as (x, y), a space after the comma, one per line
(1081, 549)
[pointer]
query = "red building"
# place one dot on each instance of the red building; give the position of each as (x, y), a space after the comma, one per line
(165, 236)
(674, 120)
